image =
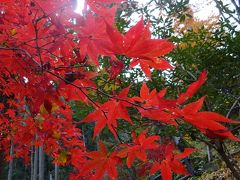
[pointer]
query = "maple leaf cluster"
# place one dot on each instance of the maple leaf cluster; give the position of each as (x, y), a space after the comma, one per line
(49, 56)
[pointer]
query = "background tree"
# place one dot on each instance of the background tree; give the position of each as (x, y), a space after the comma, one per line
(212, 44)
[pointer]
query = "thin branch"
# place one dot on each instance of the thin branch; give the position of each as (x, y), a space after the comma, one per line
(188, 72)
(220, 8)
(117, 134)
(233, 105)
(97, 90)
(235, 4)
(37, 44)
(78, 87)
(40, 38)
(237, 7)
(206, 142)
(24, 51)
(51, 53)
(81, 88)
(228, 160)
(70, 67)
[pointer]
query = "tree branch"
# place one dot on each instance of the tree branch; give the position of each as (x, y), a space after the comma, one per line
(233, 105)
(24, 51)
(97, 90)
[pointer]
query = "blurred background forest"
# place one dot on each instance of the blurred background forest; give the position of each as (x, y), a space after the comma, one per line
(206, 35)
(206, 41)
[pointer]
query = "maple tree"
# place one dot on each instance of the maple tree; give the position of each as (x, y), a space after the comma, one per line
(50, 56)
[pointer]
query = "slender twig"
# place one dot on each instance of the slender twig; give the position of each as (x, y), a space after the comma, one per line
(117, 134)
(221, 8)
(78, 87)
(40, 38)
(48, 43)
(24, 51)
(237, 7)
(52, 53)
(37, 44)
(189, 73)
(206, 142)
(228, 160)
(232, 107)
(70, 67)
(98, 90)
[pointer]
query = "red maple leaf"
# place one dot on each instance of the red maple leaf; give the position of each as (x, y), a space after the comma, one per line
(207, 122)
(109, 112)
(137, 43)
(148, 99)
(100, 162)
(91, 38)
(170, 161)
(116, 67)
(100, 117)
(11, 113)
(156, 63)
(193, 88)
(138, 148)
(154, 105)
(102, 8)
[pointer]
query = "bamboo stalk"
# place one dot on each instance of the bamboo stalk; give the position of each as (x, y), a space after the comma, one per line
(35, 163)
(41, 163)
(10, 168)
(56, 172)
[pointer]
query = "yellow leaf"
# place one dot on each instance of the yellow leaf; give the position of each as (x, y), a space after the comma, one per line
(62, 158)
(13, 32)
(55, 107)
(56, 134)
(43, 110)
(39, 120)
(194, 66)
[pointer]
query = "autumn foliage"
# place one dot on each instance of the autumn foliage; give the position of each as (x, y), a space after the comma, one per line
(49, 56)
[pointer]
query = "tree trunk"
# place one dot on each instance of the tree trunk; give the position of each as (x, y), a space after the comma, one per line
(2, 164)
(25, 172)
(50, 176)
(35, 168)
(209, 153)
(32, 163)
(56, 172)
(229, 161)
(41, 163)
(10, 168)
